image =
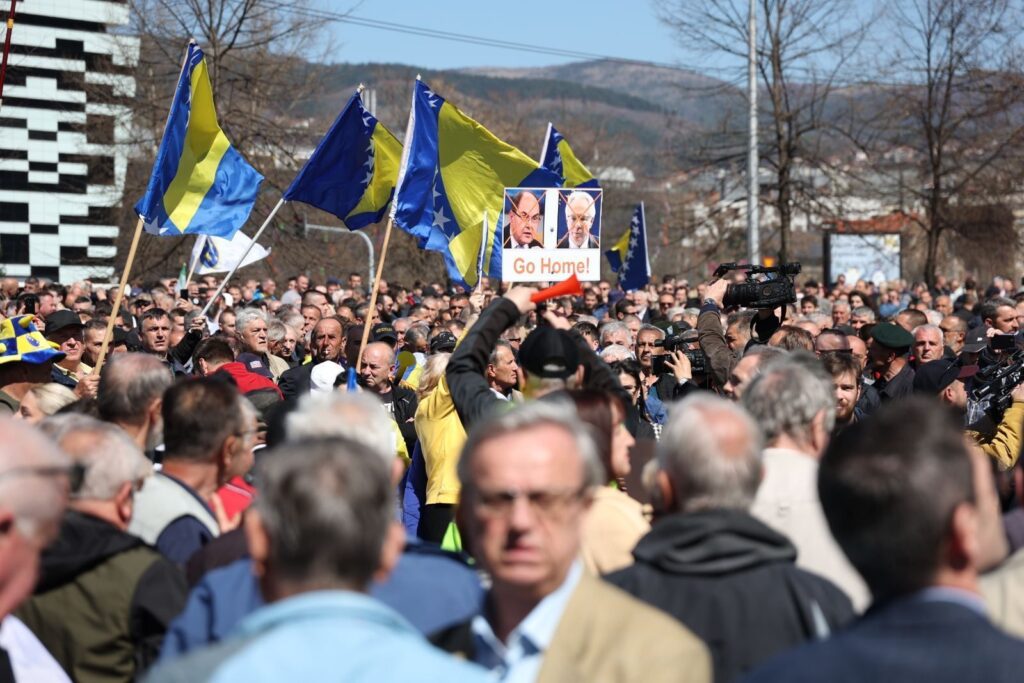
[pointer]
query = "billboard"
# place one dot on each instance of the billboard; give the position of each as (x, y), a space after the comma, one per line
(550, 234)
(875, 258)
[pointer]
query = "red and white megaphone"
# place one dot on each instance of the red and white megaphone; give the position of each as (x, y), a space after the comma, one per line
(570, 287)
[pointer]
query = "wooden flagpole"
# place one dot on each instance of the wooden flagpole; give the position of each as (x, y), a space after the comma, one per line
(371, 311)
(119, 297)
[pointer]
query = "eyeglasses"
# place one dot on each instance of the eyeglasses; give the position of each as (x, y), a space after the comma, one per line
(548, 503)
(75, 473)
(527, 218)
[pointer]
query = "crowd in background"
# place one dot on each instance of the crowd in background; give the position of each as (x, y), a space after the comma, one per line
(611, 486)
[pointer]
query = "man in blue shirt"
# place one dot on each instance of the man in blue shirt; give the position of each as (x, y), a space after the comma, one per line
(322, 528)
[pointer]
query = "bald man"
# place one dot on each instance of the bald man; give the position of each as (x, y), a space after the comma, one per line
(375, 376)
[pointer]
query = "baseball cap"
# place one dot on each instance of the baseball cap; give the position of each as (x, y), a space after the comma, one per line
(322, 376)
(549, 353)
(20, 341)
(934, 376)
(444, 341)
(976, 340)
(60, 320)
(253, 363)
(384, 332)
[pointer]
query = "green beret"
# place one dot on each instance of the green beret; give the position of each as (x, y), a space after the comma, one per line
(892, 336)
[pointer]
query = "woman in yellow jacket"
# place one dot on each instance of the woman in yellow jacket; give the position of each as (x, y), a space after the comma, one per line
(441, 438)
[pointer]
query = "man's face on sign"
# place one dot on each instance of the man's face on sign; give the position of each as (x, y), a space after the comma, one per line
(524, 221)
(579, 215)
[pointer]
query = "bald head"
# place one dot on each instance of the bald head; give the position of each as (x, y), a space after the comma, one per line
(830, 341)
(375, 371)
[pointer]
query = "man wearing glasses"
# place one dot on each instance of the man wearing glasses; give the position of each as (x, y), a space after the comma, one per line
(580, 211)
(528, 475)
(524, 220)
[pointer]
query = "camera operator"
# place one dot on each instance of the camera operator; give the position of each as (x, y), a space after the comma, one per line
(666, 373)
(721, 357)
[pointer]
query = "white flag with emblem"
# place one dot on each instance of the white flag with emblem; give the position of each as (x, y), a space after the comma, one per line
(217, 255)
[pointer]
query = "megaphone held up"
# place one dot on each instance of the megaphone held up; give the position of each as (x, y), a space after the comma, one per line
(570, 287)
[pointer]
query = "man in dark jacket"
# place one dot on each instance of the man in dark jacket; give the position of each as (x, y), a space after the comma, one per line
(104, 598)
(327, 344)
(727, 576)
(552, 357)
(400, 402)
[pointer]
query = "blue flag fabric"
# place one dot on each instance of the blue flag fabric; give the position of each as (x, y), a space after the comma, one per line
(629, 257)
(453, 173)
(352, 172)
(200, 184)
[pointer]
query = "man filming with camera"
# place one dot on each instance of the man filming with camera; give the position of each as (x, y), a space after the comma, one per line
(666, 371)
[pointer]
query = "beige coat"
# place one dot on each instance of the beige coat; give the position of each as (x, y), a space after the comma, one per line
(607, 636)
(787, 501)
(611, 529)
(1003, 590)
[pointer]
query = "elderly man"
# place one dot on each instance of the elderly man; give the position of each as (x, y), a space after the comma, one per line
(34, 481)
(913, 507)
(708, 551)
(861, 316)
(104, 598)
(525, 218)
(928, 344)
(400, 402)
(616, 333)
(890, 344)
(26, 359)
(580, 211)
(65, 329)
(322, 528)
(793, 401)
(954, 333)
(209, 433)
(327, 344)
(130, 396)
(749, 367)
(251, 331)
(840, 314)
(527, 478)
(503, 371)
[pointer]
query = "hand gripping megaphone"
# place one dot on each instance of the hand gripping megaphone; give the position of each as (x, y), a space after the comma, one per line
(570, 287)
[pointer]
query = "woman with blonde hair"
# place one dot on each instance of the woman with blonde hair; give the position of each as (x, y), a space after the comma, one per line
(44, 400)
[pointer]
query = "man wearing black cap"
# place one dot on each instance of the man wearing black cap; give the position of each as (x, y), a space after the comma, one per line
(65, 329)
(887, 355)
(947, 379)
(551, 358)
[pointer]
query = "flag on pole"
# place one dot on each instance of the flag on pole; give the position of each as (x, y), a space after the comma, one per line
(629, 257)
(200, 184)
(453, 170)
(352, 172)
(182, 276)
(557, 156)
(218, 255)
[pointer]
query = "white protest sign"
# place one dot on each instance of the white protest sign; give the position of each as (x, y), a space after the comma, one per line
(551, 234)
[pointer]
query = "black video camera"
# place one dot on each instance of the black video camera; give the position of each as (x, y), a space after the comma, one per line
(776, 289)
(675, 342)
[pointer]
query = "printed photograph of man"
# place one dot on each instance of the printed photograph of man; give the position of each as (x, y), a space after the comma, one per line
(524, 220)
(580, 215)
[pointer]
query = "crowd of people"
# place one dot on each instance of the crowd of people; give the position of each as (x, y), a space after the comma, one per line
(617, 486)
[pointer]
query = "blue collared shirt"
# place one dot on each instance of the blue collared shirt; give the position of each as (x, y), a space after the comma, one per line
(519, 659)
(337, 635)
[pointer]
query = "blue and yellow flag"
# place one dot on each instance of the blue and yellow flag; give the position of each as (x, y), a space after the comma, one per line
(200, 184)
(557, 156)
(352, 172)
(628, 257)
(453, 171)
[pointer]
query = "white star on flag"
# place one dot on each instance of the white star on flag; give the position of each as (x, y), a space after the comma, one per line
(431, 99)
(440, 219)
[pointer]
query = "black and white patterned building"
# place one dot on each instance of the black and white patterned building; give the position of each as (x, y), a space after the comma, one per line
(62, 138)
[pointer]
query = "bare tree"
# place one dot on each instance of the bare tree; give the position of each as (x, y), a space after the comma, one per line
(957, 106)
(803, 49)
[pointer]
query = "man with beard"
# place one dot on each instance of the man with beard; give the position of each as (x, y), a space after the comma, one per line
(846, 379)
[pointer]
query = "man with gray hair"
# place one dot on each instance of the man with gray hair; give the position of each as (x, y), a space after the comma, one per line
(708, 550)
(34, 481)
(527, 476)
(104, 598)
(616, 333)
(793, 402)
(322, 528)
(130, 396)
(580, 211)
